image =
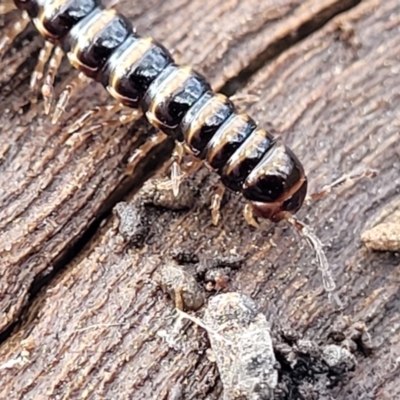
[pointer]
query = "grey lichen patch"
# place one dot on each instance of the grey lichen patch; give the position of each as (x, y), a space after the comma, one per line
(134, 224)
(338, 357)
(240, 339)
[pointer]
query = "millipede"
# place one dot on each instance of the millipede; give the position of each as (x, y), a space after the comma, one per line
(141, 74)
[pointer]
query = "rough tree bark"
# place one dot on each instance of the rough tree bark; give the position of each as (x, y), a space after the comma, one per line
(81, 314)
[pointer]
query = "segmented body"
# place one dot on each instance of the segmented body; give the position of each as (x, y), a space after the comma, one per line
(140, 73)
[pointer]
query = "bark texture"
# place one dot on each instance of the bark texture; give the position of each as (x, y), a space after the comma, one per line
(81, 313)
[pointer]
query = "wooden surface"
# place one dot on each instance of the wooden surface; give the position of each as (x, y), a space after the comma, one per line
(81, 315)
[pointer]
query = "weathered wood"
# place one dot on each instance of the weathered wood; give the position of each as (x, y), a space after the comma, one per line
(102, 329)
(49, 177)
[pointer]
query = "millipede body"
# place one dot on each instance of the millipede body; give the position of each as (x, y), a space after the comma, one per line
(140, 73)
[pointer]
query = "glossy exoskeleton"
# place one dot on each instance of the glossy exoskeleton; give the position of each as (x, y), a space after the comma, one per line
(140, 73)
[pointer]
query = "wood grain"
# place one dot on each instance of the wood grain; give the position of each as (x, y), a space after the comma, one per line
(101, 328)
(48, 176)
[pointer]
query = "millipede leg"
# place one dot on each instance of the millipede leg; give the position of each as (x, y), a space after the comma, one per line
(141, 153)
(352, 177)
(176, 172)
(215, 207)
(86, 117)
(249, 216)
(66, 94)
(175, 166)
(179, 298)
(128, 115)
(6, 7)
(177, 176)
(48, 85)
(11, 33)
(244, 98)
(37, 74)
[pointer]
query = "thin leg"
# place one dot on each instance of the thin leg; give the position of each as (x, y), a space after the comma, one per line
(179, 299)
(141, 153)
(245, 98)
(11, 33)
(88, 116)
(176, 172)
(37, 74)
(177, 176)
(175, 166)
(48, 85)
(135, 115)
(241, 100)
(249, 216)
(352, 177)
(66, 94)
(215, 207)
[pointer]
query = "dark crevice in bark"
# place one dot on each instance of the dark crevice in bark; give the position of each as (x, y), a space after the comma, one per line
(128, 186)
(237, 83)
(161, 154)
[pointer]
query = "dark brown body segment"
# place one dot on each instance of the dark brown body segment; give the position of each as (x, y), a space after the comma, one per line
(131, 69)
(277, 185)
(171, 95)
(245, 159)
(59, 20)
(231, 135)
(92, 40)
(204, 119)
(140, 73)
(54, 21)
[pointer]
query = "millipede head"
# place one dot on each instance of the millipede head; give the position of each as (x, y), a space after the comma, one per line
(276, 188)
(281, 209)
